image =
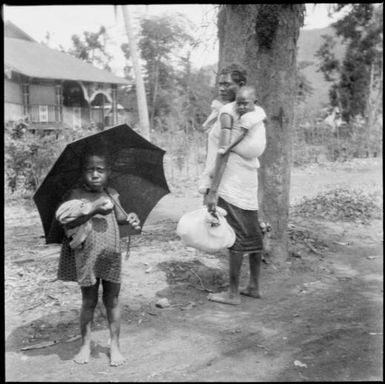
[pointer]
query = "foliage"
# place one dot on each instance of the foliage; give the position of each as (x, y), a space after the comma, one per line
(92, 48)
(329, 66)
(361, 29)
(179, 96)
(304, 87)
(340, 204)
(161, 38)
(26, 159)
(29, 157)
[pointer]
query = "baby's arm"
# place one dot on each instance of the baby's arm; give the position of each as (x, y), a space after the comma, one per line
(223, 150)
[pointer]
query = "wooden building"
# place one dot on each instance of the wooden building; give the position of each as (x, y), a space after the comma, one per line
(51, 89)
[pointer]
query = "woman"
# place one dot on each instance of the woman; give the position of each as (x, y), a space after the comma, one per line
(231, 182)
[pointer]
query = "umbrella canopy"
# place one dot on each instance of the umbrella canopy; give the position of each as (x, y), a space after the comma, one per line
(136, 173)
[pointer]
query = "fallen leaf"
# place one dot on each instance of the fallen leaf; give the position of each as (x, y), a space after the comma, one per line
(297, 363)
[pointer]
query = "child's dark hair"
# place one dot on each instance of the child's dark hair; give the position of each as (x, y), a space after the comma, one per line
(250, 90)
(99, 151)
(237, 72)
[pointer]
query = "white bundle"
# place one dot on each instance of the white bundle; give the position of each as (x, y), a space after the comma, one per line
(201, 230)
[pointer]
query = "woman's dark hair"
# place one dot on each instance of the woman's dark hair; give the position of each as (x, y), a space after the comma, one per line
(237, 72)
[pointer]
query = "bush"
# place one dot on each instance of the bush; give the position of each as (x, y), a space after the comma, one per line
(29, 157)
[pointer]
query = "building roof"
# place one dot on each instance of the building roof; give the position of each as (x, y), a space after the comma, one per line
(37, 60)
(12, 30)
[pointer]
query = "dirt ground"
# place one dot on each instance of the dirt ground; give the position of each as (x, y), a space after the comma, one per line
(321, 319)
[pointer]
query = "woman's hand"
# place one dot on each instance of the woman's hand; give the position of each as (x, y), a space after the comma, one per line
(211, 200)
(133, 219)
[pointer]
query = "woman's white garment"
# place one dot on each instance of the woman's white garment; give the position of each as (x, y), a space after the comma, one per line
(239, 184)
(215, 108)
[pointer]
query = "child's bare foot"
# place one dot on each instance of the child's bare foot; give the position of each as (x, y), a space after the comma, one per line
(251, 292)
(224, 298)
(116, 357)
(83, 357)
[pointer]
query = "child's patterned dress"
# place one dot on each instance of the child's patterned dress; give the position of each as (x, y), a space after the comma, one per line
(99, 256)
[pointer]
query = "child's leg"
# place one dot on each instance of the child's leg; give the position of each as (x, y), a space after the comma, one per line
(111, 302)
(89, 301)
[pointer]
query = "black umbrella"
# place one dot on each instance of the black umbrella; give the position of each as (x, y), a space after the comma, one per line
(137, 174)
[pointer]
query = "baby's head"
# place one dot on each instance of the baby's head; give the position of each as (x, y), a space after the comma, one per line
(245, 100)
(95, 168)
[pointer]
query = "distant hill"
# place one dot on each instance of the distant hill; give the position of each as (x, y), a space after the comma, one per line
(309, 42)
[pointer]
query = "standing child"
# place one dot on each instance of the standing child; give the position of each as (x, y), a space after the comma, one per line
(91, 248)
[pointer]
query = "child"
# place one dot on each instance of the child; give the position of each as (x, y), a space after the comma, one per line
(91, 250)
(244, 103)
(247, 128)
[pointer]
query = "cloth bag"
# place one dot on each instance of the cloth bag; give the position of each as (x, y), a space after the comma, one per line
(71, 210)
(201, 230)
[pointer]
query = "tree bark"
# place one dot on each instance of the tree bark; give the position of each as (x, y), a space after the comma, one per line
(263, 38)
(155, 92)
(140, 90)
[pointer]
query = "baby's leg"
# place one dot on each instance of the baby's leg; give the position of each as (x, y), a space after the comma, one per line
(111, 302)
(89, 301)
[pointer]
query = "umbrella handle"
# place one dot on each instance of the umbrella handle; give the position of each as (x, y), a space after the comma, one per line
(105, 190)
(129, 236)
(128, 247)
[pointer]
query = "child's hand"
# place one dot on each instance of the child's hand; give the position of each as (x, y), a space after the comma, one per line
(133, 219)
(103, 205)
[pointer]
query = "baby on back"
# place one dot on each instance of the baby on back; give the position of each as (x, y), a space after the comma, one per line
(247, 118)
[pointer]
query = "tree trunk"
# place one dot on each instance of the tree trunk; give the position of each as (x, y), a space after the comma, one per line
(140, 91)
(155, 92)
(263, 38)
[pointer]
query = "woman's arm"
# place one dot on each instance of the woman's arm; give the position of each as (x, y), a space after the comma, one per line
(211, 198)
(224, 151)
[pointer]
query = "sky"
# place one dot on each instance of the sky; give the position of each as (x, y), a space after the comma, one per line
(62, 21)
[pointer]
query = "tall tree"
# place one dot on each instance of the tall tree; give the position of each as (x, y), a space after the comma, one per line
(263, 37)
(140, 90)
(161, 37)
(361, 68)
(91, 47)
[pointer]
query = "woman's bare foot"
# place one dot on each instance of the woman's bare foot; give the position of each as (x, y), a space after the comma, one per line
(224, 298)
(83, 357)
(250, 291)
(116, 357)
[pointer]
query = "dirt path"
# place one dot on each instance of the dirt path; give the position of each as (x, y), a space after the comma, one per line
(321, 320)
